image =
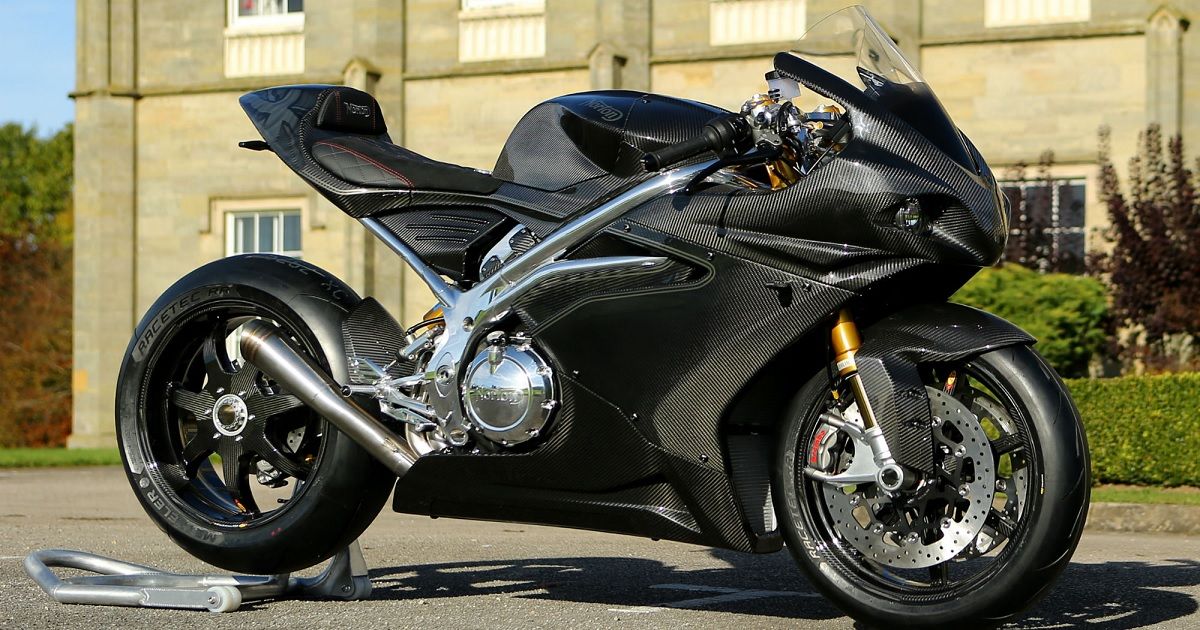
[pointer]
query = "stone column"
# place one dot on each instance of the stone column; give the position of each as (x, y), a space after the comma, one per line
(1164, 77)
(621, 57)
(105, 227)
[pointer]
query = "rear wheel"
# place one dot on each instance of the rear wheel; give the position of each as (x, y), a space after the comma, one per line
(979, 540)
(233, 467)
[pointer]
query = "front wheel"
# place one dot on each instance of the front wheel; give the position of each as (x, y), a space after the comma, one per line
(979, 540)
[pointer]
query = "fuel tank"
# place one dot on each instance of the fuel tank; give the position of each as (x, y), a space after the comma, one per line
(570, 139)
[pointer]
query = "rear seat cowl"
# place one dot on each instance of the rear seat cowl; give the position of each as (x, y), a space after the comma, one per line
(349, 110)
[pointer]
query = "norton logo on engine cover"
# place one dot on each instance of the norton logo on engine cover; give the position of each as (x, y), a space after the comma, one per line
(606, 111)
(504, 396)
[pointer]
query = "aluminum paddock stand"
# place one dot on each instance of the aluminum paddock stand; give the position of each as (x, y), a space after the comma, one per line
(127, 584)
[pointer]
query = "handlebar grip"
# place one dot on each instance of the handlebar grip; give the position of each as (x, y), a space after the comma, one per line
(719, 134)
(673, 153)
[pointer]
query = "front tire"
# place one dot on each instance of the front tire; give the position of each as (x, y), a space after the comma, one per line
(233, 468)
(987, 586)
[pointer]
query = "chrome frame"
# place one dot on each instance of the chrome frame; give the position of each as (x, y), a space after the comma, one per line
(469, 314)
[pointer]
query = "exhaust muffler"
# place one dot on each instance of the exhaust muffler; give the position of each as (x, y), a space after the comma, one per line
(262, 346)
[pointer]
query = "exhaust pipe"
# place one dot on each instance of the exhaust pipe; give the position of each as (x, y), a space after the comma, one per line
(262, 346)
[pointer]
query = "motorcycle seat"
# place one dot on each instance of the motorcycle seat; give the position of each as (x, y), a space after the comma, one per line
(350, 141)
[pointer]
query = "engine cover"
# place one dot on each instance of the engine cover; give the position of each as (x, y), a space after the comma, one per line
(508, 391)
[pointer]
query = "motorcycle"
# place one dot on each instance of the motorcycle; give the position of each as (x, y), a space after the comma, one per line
(654, 317)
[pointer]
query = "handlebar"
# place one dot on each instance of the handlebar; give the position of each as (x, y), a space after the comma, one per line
(719, 135)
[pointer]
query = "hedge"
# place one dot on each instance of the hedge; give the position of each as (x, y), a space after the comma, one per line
(1065, 313)
(1142, 429)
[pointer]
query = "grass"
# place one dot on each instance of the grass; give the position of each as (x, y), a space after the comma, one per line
(1145, 494)
(44, 457)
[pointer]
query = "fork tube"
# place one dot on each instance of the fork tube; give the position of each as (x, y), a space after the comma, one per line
(846, 342)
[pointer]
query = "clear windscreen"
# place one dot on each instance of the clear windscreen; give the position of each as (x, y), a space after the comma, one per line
(851, 45)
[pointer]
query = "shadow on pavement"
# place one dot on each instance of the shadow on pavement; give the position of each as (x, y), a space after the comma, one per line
(1112, 596)
(751, 585)
(1117, 595)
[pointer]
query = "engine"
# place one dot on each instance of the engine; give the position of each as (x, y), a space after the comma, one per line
(508, 390)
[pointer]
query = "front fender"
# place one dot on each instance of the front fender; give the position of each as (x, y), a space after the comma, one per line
(894, 346)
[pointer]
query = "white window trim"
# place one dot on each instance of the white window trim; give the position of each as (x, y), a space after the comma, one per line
(500, 8)
(501, 31)
(225, 210)
(1015, 13)
(732, 23)
(261, 24)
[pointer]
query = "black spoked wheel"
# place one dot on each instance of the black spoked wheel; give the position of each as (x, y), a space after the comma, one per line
(232, 466)
(227, 438)
(978, 539)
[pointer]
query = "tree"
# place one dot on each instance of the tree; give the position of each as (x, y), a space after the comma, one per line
(35, 182)
(1154, 234)
(35, 287)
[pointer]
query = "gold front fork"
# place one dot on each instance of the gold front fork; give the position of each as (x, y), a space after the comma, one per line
(846, 342)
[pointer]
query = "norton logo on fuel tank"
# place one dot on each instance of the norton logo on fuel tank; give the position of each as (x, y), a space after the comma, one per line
(606, 111)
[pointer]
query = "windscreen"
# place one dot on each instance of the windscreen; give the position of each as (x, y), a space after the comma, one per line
(853, 46)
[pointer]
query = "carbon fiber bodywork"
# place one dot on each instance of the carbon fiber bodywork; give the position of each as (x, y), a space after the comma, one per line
(454, 240)
(371, 333)
(894, 346)
(652, 362)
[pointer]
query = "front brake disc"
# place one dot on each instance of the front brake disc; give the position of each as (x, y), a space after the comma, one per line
(915, 534)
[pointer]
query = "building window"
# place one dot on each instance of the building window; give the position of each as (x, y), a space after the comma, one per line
(264, 38)
(753, 21)
(261, 13)
(490, 30)
(1047, 230)
(263, 231)
(999, 13)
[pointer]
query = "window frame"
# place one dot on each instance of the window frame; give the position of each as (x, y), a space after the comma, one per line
(226, 211)
(502, 6)
(289, 22)
(995, 14)
(1056, 229)
(755, 36)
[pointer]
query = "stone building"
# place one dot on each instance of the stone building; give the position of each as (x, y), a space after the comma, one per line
(161, 187)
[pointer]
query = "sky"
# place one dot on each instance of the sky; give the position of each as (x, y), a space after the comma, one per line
(37, 63)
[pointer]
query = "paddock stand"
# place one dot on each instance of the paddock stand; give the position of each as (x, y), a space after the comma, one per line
(126, 584)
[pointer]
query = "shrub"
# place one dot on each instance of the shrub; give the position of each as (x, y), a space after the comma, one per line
(1154, 231)
(1142, 429)
(1066, 313)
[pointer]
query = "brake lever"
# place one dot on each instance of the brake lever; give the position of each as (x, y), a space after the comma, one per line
(757, 155)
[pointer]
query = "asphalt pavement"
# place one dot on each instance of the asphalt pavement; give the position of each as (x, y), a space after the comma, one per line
(447, 573)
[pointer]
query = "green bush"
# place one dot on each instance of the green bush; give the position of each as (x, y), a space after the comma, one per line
(1066, 313)
(1142, 429)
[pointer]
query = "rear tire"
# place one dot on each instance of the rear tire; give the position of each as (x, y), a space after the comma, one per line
(227, 520)
(1046, 535)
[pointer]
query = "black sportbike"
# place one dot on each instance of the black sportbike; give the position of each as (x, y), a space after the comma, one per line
(654, 317)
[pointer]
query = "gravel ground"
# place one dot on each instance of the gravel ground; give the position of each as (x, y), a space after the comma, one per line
(460, 574)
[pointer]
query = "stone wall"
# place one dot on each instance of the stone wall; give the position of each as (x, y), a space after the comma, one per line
(158, 122)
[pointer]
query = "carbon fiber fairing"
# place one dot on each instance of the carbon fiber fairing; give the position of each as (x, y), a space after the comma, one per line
(929, 333)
